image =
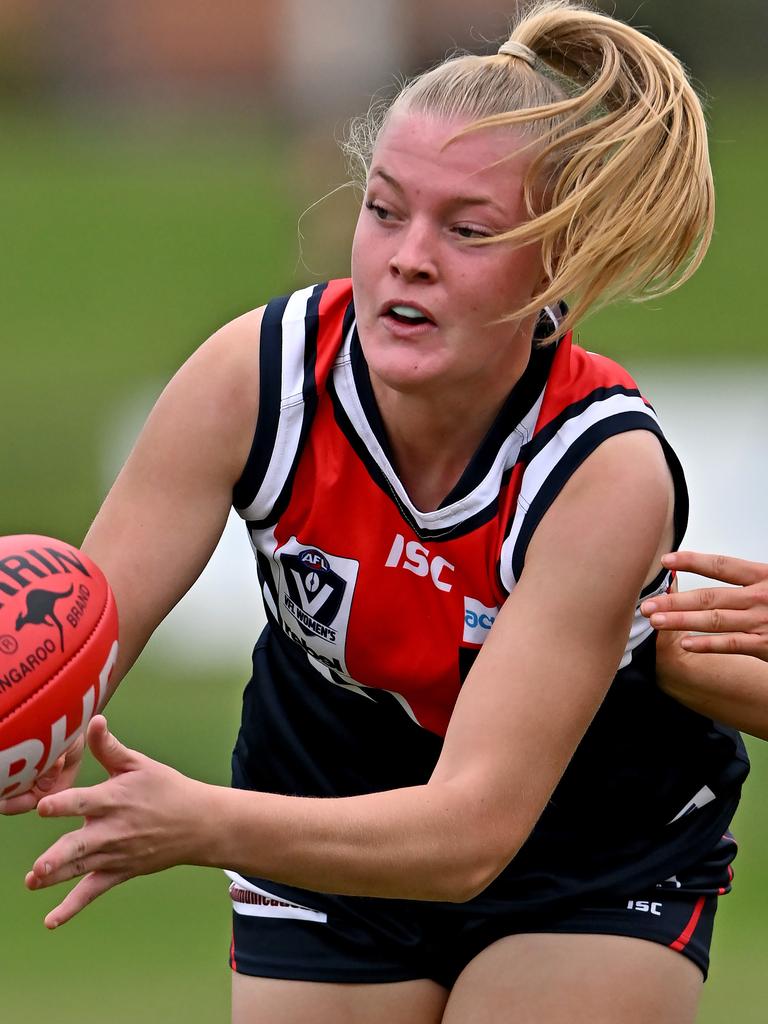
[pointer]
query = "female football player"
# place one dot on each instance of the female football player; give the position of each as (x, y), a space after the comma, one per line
(459, 794)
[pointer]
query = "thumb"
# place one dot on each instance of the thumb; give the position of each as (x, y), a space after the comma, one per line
(107, 748)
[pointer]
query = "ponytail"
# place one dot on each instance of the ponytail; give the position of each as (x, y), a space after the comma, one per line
(620, 191)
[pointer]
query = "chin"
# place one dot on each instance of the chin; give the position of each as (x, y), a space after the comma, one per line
(404, 371)
(404, 365)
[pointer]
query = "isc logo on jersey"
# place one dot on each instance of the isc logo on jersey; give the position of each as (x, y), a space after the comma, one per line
(315, 598)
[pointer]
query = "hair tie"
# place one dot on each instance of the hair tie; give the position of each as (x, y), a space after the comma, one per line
(514, 49)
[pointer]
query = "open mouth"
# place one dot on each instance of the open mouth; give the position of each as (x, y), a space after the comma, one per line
(408, 315)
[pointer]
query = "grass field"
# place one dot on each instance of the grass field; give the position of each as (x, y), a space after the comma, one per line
(124, 248)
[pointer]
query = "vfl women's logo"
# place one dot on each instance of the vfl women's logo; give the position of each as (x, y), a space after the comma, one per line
(315, 595)
(40, 610)
(315, 592)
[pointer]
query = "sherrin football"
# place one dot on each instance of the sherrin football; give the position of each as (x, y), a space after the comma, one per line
(58, 645)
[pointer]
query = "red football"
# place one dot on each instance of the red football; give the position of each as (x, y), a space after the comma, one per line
(58, 644)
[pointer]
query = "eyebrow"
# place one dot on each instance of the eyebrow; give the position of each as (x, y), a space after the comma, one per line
(476, 200)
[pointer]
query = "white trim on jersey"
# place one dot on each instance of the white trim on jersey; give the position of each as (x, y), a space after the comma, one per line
(291, 407)
(639, 631)
(701, 799)
(266, 546)
(546, 461)
(641, 628)
(479, 498)
(269, 601)
(538, 472)
(361, 688)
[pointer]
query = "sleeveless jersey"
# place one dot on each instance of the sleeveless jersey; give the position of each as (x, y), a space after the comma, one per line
(376, 610)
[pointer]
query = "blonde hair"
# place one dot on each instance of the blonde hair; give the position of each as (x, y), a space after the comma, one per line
(621, 151)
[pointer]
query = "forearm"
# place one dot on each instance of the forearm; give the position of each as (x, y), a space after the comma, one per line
(417, 843)
(729, 688)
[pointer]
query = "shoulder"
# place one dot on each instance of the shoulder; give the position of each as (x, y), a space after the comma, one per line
(212, 401)
(611, 515)
(587, 399)
(578, 376)
(326, 300)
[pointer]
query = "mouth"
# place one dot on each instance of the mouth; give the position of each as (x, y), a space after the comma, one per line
(408, 315)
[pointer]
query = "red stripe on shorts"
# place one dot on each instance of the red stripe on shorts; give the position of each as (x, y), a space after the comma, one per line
(685, 936)
(232, 961)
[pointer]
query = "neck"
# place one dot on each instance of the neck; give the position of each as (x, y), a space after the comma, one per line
(433, 436)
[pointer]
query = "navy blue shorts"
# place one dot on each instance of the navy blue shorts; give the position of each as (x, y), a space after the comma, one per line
(308, 936)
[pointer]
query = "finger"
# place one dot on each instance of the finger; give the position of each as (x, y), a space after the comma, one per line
(90, 802)
(717, 567)
(83, 894)
(45, 782)
(717, 620)
(28, 801)
(19, 804)
(727, 643)
(65, 872)
(697, 600)
(108, 750)
(71, 855)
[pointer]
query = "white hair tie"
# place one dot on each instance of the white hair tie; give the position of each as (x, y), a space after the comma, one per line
(514, 49)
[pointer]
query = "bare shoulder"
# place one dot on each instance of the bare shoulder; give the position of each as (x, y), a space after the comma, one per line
(634, 459)
(615, 511)
(213, 399)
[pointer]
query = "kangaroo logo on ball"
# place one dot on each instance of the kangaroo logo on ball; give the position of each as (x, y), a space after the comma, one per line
(40, 610)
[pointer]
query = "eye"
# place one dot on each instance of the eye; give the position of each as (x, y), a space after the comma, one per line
(468, 231)
(380, 212)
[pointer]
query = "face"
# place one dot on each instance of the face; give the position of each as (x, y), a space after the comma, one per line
(427, 304)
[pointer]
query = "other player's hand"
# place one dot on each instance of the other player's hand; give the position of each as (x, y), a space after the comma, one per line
(143, 819)
(59, 777)
(734, 619)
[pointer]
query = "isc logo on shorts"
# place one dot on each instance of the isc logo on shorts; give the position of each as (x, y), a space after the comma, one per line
(315, 599)
(478, 619)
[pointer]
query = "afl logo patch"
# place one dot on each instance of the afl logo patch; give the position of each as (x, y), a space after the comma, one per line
(314, 559)
(315, 599)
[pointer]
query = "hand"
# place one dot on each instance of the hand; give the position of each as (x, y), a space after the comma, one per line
(59, 777)
(145, 818)
(736, 618)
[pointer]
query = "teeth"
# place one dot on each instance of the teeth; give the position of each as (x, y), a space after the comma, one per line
(409, 311)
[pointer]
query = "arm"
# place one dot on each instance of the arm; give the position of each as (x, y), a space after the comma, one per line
(724, 673)
(448, 839)
(165, 513)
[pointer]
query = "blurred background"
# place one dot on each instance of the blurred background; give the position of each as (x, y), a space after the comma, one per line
(160, 162)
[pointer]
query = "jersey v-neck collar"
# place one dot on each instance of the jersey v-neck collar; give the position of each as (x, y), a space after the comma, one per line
(478, 487)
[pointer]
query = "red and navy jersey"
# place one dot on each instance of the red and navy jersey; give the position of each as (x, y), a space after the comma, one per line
(376, 609)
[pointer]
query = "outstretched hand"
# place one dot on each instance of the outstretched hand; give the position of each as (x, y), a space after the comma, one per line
(734, 619)
(146, 817)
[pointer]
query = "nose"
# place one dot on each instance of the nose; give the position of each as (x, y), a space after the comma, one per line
(414, 256)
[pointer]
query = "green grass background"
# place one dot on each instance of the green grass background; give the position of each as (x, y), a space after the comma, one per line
(123, 247)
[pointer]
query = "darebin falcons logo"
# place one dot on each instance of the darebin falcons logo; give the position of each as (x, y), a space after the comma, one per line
(315, 595)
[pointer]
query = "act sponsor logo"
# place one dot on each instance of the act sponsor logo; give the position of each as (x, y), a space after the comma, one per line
(315, 599)
(478, 619)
